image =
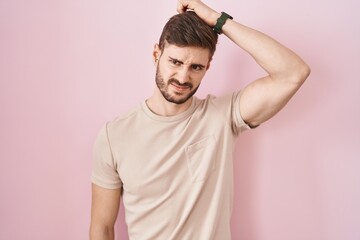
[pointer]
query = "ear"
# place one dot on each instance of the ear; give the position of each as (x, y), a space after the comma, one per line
(156, 53)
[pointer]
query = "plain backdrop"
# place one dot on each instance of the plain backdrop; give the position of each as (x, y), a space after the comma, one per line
(67, 67)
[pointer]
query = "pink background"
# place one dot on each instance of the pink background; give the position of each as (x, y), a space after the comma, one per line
(68, 66)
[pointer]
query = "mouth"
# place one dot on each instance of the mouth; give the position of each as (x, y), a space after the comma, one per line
(180, 87)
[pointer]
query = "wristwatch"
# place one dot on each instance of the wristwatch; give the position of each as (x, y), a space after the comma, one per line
(221, 21)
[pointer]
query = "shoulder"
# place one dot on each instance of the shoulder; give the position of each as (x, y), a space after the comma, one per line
(223, 101)
(124, 119)
(213, 106)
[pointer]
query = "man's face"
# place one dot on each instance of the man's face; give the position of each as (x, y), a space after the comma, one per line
(179, 71)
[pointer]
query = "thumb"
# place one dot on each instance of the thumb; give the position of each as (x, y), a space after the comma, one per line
(183, 6)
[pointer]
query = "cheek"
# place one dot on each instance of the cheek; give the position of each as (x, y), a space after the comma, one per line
(165, 71)
(198, 78)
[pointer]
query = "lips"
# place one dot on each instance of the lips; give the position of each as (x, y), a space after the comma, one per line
(178, 86)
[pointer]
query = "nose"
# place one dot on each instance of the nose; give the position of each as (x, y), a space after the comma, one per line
(183, 75)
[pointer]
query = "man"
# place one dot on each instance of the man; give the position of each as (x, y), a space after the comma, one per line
(170, 158)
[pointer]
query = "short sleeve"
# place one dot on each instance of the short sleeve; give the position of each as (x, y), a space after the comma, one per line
(104, 172)
(238, 124)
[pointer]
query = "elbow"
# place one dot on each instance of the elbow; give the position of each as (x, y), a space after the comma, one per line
(301, 74)
(305, 72)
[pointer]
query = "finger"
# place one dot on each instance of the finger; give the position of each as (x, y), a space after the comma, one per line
(181, 7)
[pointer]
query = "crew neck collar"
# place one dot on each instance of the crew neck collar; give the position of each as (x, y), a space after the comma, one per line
(176, 117)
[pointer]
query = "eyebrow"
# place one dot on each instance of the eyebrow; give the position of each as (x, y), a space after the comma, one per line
(193, 65)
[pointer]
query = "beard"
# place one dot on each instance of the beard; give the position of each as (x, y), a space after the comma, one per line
(177, 98)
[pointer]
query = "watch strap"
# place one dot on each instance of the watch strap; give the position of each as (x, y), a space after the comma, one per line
(221, 21)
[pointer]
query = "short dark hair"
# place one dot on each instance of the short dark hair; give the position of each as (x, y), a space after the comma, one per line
(188, 30)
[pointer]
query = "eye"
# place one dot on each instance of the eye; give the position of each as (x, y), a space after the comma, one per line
(197, 67)
(175, 62)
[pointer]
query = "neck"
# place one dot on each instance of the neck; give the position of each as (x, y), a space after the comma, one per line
(160, 106)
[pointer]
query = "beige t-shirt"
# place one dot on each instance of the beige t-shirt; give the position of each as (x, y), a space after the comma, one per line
(176, 173)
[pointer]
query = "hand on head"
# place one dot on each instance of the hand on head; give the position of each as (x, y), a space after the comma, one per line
(207, 14)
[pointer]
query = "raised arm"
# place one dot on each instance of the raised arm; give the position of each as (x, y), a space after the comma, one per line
(104, 211)
(266, 96)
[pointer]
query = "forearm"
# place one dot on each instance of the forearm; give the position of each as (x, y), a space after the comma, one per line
(101, 233)
(277, 60)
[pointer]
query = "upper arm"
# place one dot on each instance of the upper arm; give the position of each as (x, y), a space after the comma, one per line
(104, 208)
(263, 98)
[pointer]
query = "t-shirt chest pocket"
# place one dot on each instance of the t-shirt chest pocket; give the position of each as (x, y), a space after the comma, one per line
(200, 158)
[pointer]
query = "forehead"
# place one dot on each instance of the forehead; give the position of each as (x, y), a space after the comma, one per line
(187, 54)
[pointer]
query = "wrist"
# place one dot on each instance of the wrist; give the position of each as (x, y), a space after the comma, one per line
(220, 22)
(215, 16)
(206, 13)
